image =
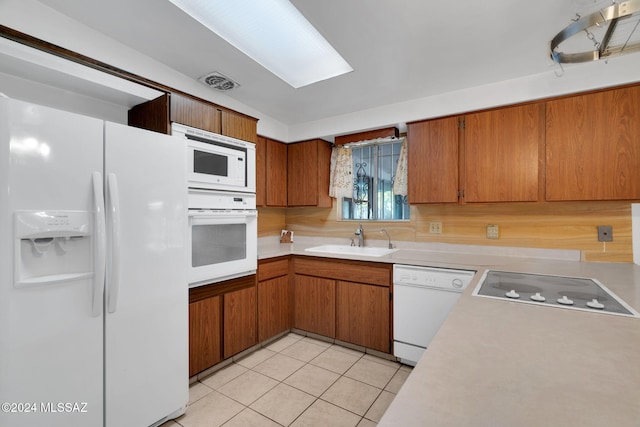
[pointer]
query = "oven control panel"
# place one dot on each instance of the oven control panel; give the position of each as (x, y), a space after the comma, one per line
(220, 200)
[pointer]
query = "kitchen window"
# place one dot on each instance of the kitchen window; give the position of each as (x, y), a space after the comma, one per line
(374, 170)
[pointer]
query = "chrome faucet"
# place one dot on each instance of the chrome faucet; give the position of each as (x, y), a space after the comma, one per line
(384, 230)
(360, 233)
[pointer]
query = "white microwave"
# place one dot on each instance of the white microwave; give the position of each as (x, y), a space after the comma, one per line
(218, 162)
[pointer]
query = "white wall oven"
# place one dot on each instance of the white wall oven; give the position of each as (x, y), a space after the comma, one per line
(218, 162)
(223, 236)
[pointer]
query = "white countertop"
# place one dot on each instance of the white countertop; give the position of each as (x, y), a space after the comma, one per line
(498, 363)
(432, 254)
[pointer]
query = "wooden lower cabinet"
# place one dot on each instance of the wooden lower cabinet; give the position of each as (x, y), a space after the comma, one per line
(315, 305)
(240, 321)
(273, 307)
(362, 315)
(222, 321)
(343, 299)
(274, 297)
(205, 334)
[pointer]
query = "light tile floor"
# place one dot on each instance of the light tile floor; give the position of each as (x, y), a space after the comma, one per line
(296, 381)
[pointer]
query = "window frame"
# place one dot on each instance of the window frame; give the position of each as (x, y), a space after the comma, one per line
(375, 176)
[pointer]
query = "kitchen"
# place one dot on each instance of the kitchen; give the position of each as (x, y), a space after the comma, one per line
(520, 225)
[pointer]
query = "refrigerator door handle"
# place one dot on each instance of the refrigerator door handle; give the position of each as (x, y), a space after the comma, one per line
(113, 274)
(100, 248)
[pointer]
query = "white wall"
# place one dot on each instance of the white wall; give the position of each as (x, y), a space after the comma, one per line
(576, 78)
(38, 20)
(34, 18)
(50, 96)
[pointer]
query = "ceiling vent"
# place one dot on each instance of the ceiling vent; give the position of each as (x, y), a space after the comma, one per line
(219, 81)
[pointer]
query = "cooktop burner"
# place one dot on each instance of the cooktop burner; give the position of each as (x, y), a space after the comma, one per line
(555, 291)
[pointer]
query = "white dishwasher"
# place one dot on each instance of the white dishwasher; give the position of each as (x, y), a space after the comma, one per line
(422, 299)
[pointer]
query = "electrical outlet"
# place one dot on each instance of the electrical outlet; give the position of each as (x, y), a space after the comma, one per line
(493, 231)
(435, 228)
(605, 233)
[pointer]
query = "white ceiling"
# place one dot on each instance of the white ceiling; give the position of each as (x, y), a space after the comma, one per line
(400, 49)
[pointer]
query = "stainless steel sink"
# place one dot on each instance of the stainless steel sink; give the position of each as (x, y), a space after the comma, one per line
(351, 250)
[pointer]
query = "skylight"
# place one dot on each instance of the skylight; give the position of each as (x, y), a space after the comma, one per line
(274, 34)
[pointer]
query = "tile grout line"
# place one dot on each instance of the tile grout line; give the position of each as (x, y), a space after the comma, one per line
(309, 340)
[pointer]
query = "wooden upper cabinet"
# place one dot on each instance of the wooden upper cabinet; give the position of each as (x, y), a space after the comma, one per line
(276, 173)
(593, 146)
(193, 113)
(433, 161)
(502, 150)
(308, 165)
(238, 126)
(158, 114)
(261, 171)
(152, 115)
(271, 172)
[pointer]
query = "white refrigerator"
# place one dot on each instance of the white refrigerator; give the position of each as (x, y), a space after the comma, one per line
(93, 289)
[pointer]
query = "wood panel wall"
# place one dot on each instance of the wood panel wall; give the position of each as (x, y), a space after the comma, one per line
(271, 221)
(561, 225)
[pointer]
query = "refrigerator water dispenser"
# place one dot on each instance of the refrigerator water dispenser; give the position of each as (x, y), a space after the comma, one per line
(52, 247)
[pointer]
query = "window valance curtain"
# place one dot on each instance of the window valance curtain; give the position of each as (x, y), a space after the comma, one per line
(341, 175)
(400, 178)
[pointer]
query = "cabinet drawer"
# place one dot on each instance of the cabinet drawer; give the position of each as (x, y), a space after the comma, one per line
(347, 270)
(272, 269)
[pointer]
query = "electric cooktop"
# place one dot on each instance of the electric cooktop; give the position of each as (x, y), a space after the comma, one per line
(553, 291)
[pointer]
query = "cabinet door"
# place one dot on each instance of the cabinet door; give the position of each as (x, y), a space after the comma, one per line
(261, 171)
(302, 167)
(239, 323)
(502, 154)
(308, 165)
(194, 113)
(152, 115)
(433, 161)
(315, 305)
(593, 146)
(239, 126)
(205, 334)
(273, 307)
(276, 173)
(362, 315)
